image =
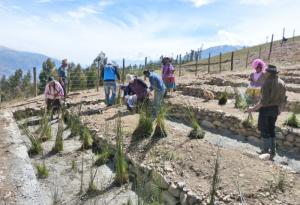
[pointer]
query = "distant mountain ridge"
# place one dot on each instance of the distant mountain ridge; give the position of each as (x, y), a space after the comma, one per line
(214, 51)
(11, 60)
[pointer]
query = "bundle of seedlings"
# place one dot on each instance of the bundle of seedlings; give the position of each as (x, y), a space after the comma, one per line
(121, 164)
(36, 144)
(59, 144)
(249, 122)
(223, 98)
(144, 128)
(240, 100)
(42, 171)
(45, 129)
(86, 137)
(160, 130)
(196, 132)
(293, 121)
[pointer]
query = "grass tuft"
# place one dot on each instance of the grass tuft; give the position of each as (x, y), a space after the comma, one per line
(36, 144)
(160, 130)
(249, 122)
(59, 144)
(223, 98)
(42, 171)
(145, 127)
(196, 132)
(240, 100)
(87, 140)
(215, 180)
(45, 129)
(293, 121)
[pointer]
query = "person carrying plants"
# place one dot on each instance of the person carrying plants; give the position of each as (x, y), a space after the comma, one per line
(273, 99)
(167, 72)
(156, 84)
(54, 93)
(62, 77)
(136, 91)
(256, 79)
(110, 75)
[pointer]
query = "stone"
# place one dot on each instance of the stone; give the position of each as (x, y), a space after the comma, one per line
(217, 123)
(285, 131)
(253, 139)
(290, 138)
(168, 198)
(207, 124)
(287, 143)
(183, 198)
(174, 190)
(181, 184)
(159, 180)
(264, 157)
(279, 135)
(192, 198)
(297, 139)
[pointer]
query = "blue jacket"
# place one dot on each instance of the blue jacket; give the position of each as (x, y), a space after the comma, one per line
(156, 82)
(110, 73)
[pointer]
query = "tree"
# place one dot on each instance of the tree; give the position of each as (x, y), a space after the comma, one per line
(91, 76)
(48, 69)
(78, 79)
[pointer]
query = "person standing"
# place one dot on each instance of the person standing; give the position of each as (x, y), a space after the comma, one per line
(54, 93)
(156, 84)
(62, 77)
(272, 102)
(168, 76)
(110, 75)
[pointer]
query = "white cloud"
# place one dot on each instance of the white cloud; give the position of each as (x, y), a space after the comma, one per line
(82, 12)
(199, 3)
(257, 2)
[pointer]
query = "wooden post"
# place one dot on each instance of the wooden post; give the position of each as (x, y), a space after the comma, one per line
(294, 35)
(208, 63)
(69, 78)
(231, 67)
(179, 65)
(145, 62)
(271, 45)
(98, 77)
(220, 62)
(196, 64)
(35, 82)
(282, 36)
(247, 58)
(123, 72)
(259, 52)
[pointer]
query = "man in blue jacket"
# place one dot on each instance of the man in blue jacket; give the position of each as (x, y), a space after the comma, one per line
(156, 84)
(110, 75)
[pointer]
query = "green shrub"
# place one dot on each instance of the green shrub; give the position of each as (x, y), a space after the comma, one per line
(45, 129)
(59, 144)
(160, 130)
(36, 144)
(145, 127)
(42, 171)
(196, 132)
(293, 121)
(87, 140)
(223, 98)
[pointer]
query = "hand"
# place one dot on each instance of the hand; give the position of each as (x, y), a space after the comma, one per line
(251, 109)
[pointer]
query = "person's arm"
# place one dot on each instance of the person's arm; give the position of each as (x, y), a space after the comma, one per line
(265, 94)
(151, 83)
(117, 73)
(102, 73)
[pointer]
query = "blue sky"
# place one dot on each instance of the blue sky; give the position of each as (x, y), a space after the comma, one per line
(80, 29)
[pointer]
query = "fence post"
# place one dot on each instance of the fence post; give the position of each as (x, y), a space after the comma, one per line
(259, 52)
(231, 66)
(145, 62)
(220, 62)
(196, 64)
(271, 45)
(294, 35)
(179, 65)
(208, 63)
(123, 71)
(283, 32)
(247, 58)
(69, 78)
(34, 81)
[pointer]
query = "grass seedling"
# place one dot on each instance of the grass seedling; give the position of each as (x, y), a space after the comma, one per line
(104, 156)
(74, 165)
(215, 180)
(36, 145)
(145, 127)
(293, 121)
(121, 164)
(249, 122)
(59, 144)
(281, 181)
(74, 126)
(160, 130)
(45, 129)
(240, 100)
(92, 189)
(196, 132)
(87, 140)
(223, 98)
(42, 171)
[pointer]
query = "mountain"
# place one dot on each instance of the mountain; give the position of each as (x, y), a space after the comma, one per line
(214, 51)
(10, 60)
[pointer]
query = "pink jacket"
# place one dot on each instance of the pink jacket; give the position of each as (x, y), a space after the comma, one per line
(54, 92)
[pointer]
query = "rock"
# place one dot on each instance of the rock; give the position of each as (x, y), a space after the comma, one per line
(285, 131)
(159, 180)
(287, 143)
(264, 157)
(168, 167)
(290, 138)
(217, 123)
(297, 139)
(168, 198)
(253, 139)
(174, 190)
(181, 185)
(183, 198)
(192, 198)
(279, 135)
(207, 124)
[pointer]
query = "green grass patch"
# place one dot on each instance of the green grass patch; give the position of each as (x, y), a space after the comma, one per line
(293, 121)
(42, 171)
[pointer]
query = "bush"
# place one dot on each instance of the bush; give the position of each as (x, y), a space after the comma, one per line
(160, 130)
(196, 132)
(145, 127)
(42, 171)
(87, 140)
(223, 98)
(293, 121)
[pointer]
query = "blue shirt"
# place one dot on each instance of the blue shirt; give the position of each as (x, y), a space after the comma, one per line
(156, 82)
(62, 73)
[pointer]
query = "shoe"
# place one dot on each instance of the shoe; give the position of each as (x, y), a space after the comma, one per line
(272, 155)
(262, 152)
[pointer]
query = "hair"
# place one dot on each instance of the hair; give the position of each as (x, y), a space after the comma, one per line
(146, 72)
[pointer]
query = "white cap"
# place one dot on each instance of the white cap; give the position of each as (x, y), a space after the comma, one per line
(129, 77)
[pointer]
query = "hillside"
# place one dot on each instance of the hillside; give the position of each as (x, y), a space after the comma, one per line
(10, 60)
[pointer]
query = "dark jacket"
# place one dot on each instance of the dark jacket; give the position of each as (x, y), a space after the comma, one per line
(139, 88)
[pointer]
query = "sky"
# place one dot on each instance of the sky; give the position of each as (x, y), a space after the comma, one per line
(133, 29)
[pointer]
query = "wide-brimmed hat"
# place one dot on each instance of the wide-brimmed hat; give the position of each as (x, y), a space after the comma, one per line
(272, 69)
